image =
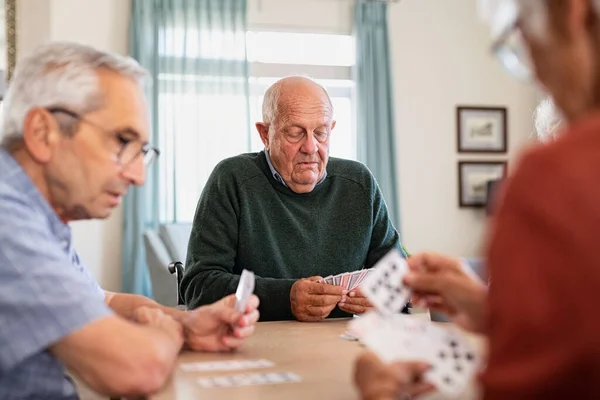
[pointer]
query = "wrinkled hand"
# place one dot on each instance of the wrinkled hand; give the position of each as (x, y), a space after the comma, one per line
(151, 316)
(312, 300)
(378, 381)
(440, 283)
(219, 326)
(355, 302)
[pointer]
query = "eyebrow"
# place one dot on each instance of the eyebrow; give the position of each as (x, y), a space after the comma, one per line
(128, 130)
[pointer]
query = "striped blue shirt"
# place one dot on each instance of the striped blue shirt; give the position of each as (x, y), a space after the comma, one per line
(45, 291)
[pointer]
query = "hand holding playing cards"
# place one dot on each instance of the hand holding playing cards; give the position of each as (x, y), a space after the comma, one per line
(440, 283)
(219, 326)
(378, 381)
(312, 300)
(355, 302)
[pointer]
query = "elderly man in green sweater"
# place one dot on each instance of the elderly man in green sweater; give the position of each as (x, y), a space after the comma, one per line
(291, 214)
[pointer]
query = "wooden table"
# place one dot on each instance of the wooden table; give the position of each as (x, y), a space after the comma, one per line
(314, 351)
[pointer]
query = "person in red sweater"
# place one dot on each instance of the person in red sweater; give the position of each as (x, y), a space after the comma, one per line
(542, 257)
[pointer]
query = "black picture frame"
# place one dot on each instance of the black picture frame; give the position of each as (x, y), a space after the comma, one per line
(481, 129)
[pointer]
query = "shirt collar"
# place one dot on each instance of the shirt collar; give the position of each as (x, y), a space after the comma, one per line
(278, 177)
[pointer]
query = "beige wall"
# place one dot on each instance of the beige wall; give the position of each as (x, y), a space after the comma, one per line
(104, 24)
(439, 57)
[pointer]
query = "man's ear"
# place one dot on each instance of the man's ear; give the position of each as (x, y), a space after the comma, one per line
(40, 134)
(263, 131)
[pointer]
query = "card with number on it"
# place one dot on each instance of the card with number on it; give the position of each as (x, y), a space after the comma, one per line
(229, 365)
(384, 286)
(244, 290)
(230, 381)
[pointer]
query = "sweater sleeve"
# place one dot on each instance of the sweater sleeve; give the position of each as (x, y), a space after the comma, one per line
(533, 299)
(384, 236)
(212, 250)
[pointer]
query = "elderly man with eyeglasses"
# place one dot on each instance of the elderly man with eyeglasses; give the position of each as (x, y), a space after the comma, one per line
(543, 258)
(75, 138)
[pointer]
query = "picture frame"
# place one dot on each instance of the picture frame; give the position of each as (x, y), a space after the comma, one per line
(473, 181)
(482, 129)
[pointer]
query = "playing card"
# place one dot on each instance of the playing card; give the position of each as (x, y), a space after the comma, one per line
(337, 279)
(383, 286)
(345, 280)
(328, 279)
(244, 290)
(226, 365)
(248, 379)
(453, 361)
(352, 279)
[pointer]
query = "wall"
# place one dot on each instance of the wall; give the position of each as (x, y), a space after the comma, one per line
(104, 24)
(440, 58)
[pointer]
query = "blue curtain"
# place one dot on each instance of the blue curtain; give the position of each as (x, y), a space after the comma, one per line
(195, 51)
(375, 103)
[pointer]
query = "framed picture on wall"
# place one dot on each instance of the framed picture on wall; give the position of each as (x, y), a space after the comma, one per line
(473, 181)
(481, 129)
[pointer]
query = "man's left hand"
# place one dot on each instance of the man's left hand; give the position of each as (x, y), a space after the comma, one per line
(355, 302)
(219, 326)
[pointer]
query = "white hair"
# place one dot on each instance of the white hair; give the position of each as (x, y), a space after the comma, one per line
(270, 104)
(548, 120)
(60, 74)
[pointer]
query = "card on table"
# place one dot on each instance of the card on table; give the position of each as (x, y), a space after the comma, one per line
(226, 365)
(230, 381)
(244, 290)
(384, 286)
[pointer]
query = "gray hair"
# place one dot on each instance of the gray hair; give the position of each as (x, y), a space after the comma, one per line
(270, 105)
(60, 74)
(548, 120)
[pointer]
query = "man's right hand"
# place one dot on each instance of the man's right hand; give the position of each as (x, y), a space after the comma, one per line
(440, 283)
(312, 300)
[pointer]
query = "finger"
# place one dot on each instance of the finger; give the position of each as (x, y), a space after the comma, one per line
(228, 314)
(432, 262)
(243, 332)
(324, 288)
(253, 303)
(353, 309)
(315, 278)
(358, 301)
(324, 300)
(321, 312)
(426, 283)
(231, 342)
(249, 319)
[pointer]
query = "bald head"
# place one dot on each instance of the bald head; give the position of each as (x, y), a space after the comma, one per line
(292, 91)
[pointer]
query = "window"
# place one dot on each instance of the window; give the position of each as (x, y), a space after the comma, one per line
(206, 118)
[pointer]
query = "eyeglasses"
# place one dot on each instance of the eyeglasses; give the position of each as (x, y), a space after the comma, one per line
(129, 148)
(510, 49)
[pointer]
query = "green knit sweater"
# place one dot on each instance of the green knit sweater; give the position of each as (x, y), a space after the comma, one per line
(246, 219)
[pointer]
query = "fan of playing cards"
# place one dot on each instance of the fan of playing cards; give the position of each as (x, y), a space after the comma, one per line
(348, 280)
(396, 337)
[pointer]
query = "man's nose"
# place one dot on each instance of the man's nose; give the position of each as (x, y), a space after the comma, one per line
(310, 145)
(135, 172)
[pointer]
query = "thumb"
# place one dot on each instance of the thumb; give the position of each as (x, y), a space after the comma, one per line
(425, 283)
